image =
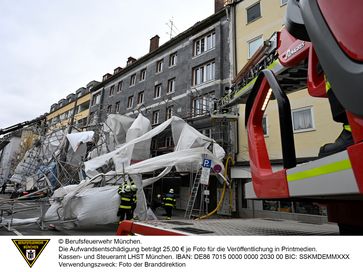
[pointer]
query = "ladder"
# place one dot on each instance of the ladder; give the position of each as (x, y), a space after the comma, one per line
(193, 194)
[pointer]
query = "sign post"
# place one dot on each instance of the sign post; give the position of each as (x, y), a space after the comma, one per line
(204, 178)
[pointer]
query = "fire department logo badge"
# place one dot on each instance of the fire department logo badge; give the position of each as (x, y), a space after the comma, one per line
(30, 254)
(30, 249)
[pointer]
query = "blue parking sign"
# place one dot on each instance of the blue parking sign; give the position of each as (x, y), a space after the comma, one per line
(207, 163)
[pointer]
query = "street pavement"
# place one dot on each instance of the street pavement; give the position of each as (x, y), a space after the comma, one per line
(214, 226)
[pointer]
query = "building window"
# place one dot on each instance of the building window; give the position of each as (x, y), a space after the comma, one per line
(254, 45)
(253, 12)
(302, 120)
(207, 132)
(109, 108)
(84, 106)
(283, 2)
(171, 86)
(168, 141)
(140, 98)
(156, 115)
(169, 112)
(112, 90)
(130, 101)
(82, 122)
(172, 59)
(96, 99)
(157, 91)
(159, 66)
(202, 104)
(204, 73)
(264, 126)
(142, 74)
(117, 107)
(133, 80)
(119, 86)
(204, 44)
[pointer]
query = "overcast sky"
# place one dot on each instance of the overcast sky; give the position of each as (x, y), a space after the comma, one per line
(50, 48)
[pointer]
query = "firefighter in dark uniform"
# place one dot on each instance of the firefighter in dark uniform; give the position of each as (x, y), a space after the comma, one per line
(345, 138)
(128, 201)
(169, 203)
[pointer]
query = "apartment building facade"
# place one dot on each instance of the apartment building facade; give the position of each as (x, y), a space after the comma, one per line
(181, 77)
(74, 109)
(255, 22)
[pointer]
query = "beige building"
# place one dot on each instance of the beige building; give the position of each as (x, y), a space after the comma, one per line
(75, 106)
(255, 21)
(62, 116)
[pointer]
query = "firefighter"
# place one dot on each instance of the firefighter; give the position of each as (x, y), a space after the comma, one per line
(169, 203)
(345, 138)
(128, 200)
(156, 203)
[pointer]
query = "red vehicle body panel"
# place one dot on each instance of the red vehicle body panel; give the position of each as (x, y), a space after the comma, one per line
(128, 227)
(344, 19)
(265, 183)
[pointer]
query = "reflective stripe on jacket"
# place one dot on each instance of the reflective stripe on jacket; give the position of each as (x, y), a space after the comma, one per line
(327, 85)
(169, 200)
(128, 200)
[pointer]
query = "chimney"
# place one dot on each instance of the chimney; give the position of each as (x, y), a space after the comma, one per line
(218, 5)
(130, 61)
(106, 76)
(154, 43)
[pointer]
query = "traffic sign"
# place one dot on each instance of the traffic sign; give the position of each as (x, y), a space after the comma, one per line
(207, 163)
(204, 177)
(217, 168)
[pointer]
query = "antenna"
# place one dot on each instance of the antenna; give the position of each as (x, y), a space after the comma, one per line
(173, 29)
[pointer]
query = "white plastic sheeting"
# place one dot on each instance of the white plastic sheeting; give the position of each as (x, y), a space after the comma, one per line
(112, 135)
(183, 134)
(141, 150)
(85, 206)
(75, 139)
(190, 157)
(116, 126)
(90, 205)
